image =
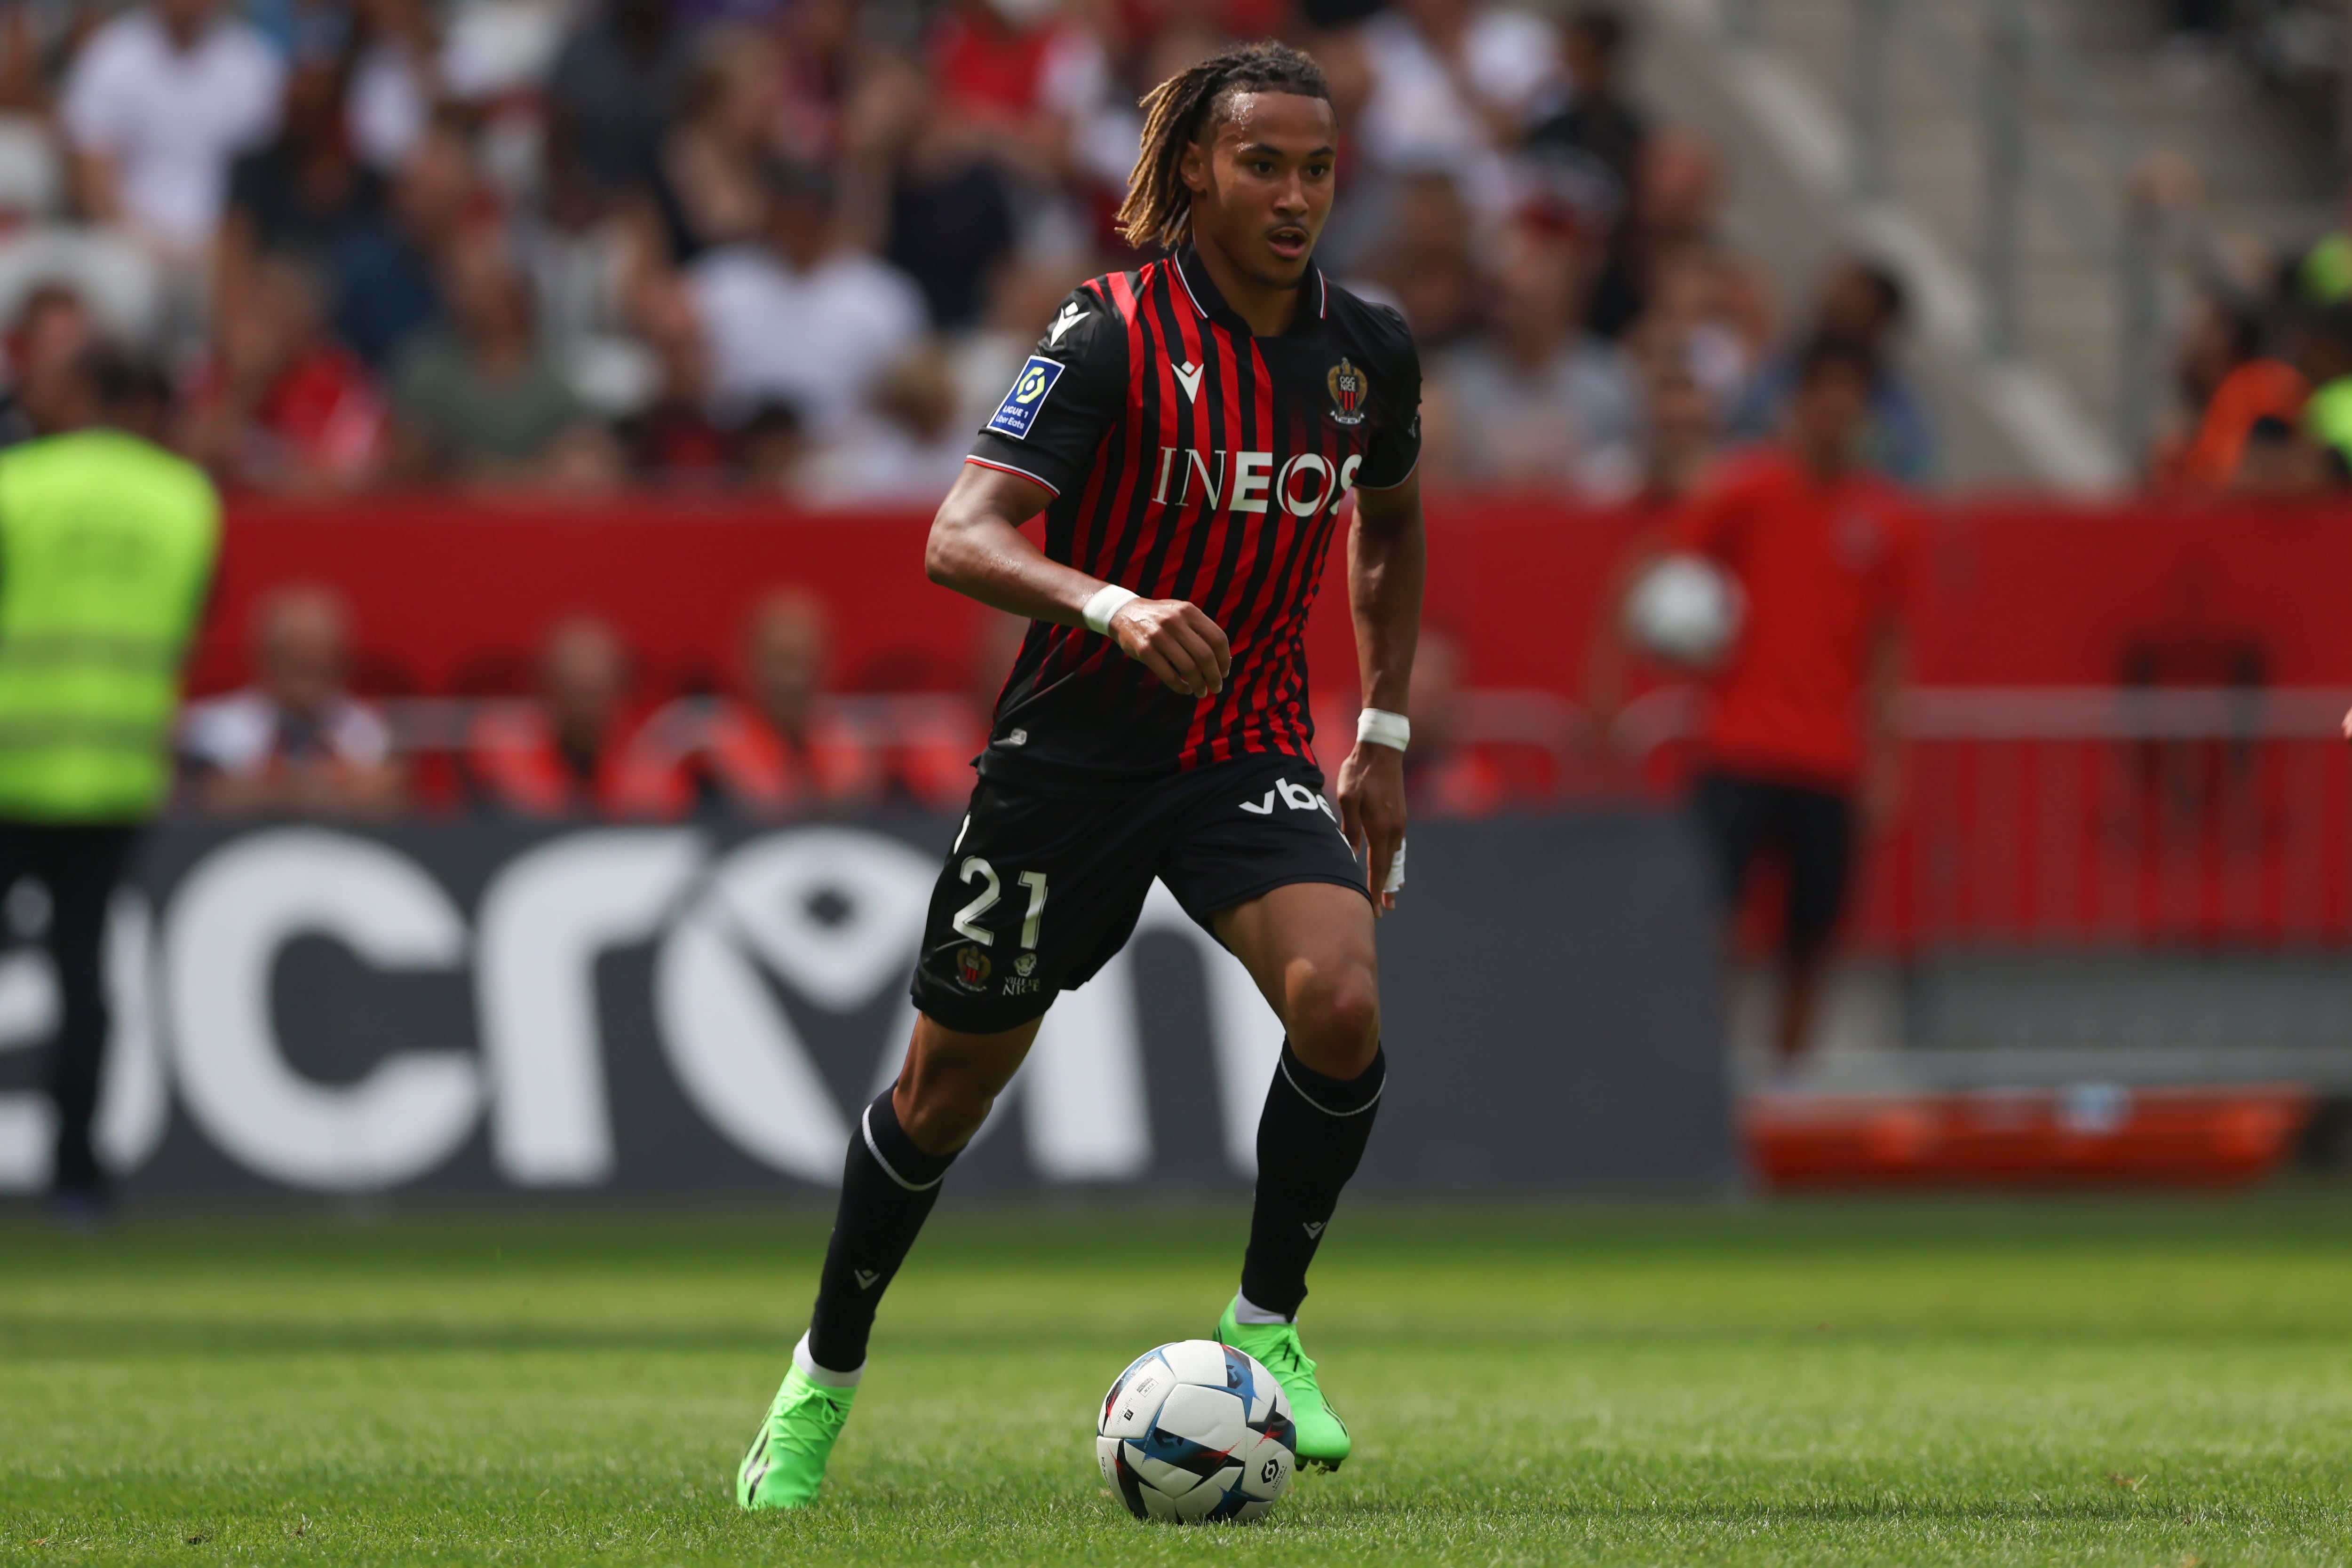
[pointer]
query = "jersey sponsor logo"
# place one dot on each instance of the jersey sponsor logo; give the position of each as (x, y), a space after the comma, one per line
(1349, 392)
(1018, 412)
(971, 968)
(1248, 481)
(1188, 378)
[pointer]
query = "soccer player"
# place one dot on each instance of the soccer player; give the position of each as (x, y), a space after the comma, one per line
(1190, 430)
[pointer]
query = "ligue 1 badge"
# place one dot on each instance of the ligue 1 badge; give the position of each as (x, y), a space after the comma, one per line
(1349, 392)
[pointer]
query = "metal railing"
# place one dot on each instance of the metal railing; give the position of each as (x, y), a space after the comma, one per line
(2208, 817)
(2034, 102)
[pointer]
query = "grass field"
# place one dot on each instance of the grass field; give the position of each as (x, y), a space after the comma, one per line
(2147, 1383)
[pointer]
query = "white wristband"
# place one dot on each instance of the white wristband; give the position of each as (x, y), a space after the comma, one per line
(1108, 602)
(1382, 727)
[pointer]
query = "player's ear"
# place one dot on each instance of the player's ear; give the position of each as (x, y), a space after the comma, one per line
(1193, 167)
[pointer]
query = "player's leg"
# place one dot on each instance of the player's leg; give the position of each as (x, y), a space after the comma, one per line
(1310, 947)
(900, 1153)
(1036, 894)
(1818, 834)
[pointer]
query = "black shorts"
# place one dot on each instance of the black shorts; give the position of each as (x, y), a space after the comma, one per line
(1040, 890)
(1812, 831)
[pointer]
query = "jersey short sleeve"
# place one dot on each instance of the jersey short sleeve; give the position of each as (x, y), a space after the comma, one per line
(1067, 393)
(1393, 449)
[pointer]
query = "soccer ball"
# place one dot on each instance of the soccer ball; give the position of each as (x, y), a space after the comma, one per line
(1684, 611)
(1196, 1431)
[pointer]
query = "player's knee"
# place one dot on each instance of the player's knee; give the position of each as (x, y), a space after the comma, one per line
(943, 1113)
(1335, 1021)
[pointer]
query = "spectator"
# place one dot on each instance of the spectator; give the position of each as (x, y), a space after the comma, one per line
(304, 193)
(908, 451)
(562, 756)
(1599, 132)
(1669, 233)
(2231, 385)
(1800, 739)
(707, 186)
(1454, 82)
(295, 742)
(1694, 310)
(281, 404)
(948, 222)
(476, 398)
(616, 84)
(771, 450)
(46, 344)
(800, 318)
(161, 103)
(673, 439)
(785, 748)
(392, 80)
(384, 284)
(1423, 260)
(1863, 303)
(1536, 398)
(1681, 427)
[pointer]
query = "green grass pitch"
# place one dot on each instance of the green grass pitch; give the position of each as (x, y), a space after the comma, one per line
(2151, 1383)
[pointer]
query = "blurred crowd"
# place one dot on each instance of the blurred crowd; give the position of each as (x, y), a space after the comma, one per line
(590, 731)
(801, 245)
(2264, 373)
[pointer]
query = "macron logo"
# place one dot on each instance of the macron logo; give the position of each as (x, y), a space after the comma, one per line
(1188, 378)
(865, 1276)
(1072, 314)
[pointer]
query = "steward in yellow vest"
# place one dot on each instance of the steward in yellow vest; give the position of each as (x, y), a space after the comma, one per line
(107, 549)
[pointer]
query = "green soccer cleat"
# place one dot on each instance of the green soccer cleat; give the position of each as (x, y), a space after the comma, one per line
(1322, 1435)
(787, 1464)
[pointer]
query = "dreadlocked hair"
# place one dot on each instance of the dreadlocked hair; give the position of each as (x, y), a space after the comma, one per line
(1159, 209)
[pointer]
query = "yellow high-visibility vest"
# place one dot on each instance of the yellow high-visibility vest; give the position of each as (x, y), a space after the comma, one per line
(107, 549)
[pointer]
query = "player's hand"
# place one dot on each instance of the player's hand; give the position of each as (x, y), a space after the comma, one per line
(2347, 726)
(1371, 813)
(1175, 642)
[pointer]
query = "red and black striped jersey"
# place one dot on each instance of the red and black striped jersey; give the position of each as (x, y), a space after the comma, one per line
(1190, 459)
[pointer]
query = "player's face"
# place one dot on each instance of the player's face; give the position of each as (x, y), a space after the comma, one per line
(1261, 188)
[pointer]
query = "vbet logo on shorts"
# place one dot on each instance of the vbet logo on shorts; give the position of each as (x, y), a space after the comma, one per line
(1018, 412)
(747, 958)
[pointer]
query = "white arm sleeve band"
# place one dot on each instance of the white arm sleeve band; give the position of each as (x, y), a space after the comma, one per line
(1382, 727)
(1106, 602)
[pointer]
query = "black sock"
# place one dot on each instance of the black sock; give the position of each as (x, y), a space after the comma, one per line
(888, 1188)
(1310, 1136)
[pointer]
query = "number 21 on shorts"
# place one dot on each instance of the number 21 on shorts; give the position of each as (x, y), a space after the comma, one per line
(992, 892)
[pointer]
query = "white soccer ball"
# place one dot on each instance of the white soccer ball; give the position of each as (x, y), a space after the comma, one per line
(1194, 1432)
(1684, 611)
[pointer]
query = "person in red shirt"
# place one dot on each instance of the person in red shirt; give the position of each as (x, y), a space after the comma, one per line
(1800, 739)
(562, 756)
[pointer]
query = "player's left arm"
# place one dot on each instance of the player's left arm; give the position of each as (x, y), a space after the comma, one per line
(1386, 558)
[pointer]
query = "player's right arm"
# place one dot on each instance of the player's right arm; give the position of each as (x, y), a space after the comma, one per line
(1041, 442)
(977, 547)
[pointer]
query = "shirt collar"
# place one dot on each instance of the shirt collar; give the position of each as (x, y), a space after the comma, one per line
(1314, 294)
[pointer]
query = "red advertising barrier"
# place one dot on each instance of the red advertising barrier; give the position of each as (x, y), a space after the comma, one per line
(452, 594)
